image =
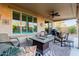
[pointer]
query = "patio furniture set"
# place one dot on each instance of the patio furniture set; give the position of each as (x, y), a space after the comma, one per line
(11, 46)
(62, 38)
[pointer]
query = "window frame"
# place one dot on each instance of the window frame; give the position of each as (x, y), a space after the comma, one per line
(21, 22)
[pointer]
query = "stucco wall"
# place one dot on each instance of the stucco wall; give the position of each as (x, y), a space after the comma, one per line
(41, 24)
(6, 13)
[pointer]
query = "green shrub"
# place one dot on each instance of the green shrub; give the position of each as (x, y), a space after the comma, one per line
(72, 29)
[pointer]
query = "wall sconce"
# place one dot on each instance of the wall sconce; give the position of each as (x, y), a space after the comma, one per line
(5, 21)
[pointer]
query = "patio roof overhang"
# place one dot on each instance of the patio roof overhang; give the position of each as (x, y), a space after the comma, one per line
(66, 10)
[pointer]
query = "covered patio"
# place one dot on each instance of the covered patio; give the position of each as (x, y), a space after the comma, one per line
(27, 27)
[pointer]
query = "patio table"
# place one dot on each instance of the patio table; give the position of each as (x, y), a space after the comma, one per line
(42, 43)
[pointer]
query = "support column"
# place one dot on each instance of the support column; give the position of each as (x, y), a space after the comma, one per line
(78, 31)
(77, 16)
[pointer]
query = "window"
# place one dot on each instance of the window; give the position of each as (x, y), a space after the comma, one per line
(35, 24)
(24, 23)
(16, 15)
(28, 24)
(16, 22)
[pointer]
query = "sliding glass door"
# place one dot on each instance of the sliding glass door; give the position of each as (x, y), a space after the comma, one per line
(48, 26)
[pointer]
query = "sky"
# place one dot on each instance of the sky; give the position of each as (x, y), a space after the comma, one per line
(70, 22)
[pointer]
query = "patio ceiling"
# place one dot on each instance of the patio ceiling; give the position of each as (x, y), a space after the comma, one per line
(66, 10)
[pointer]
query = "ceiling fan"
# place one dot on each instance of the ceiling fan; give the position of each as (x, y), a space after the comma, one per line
(54, 13)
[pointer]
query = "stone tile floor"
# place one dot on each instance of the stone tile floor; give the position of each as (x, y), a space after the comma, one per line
(75, 50)
(57, 50)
